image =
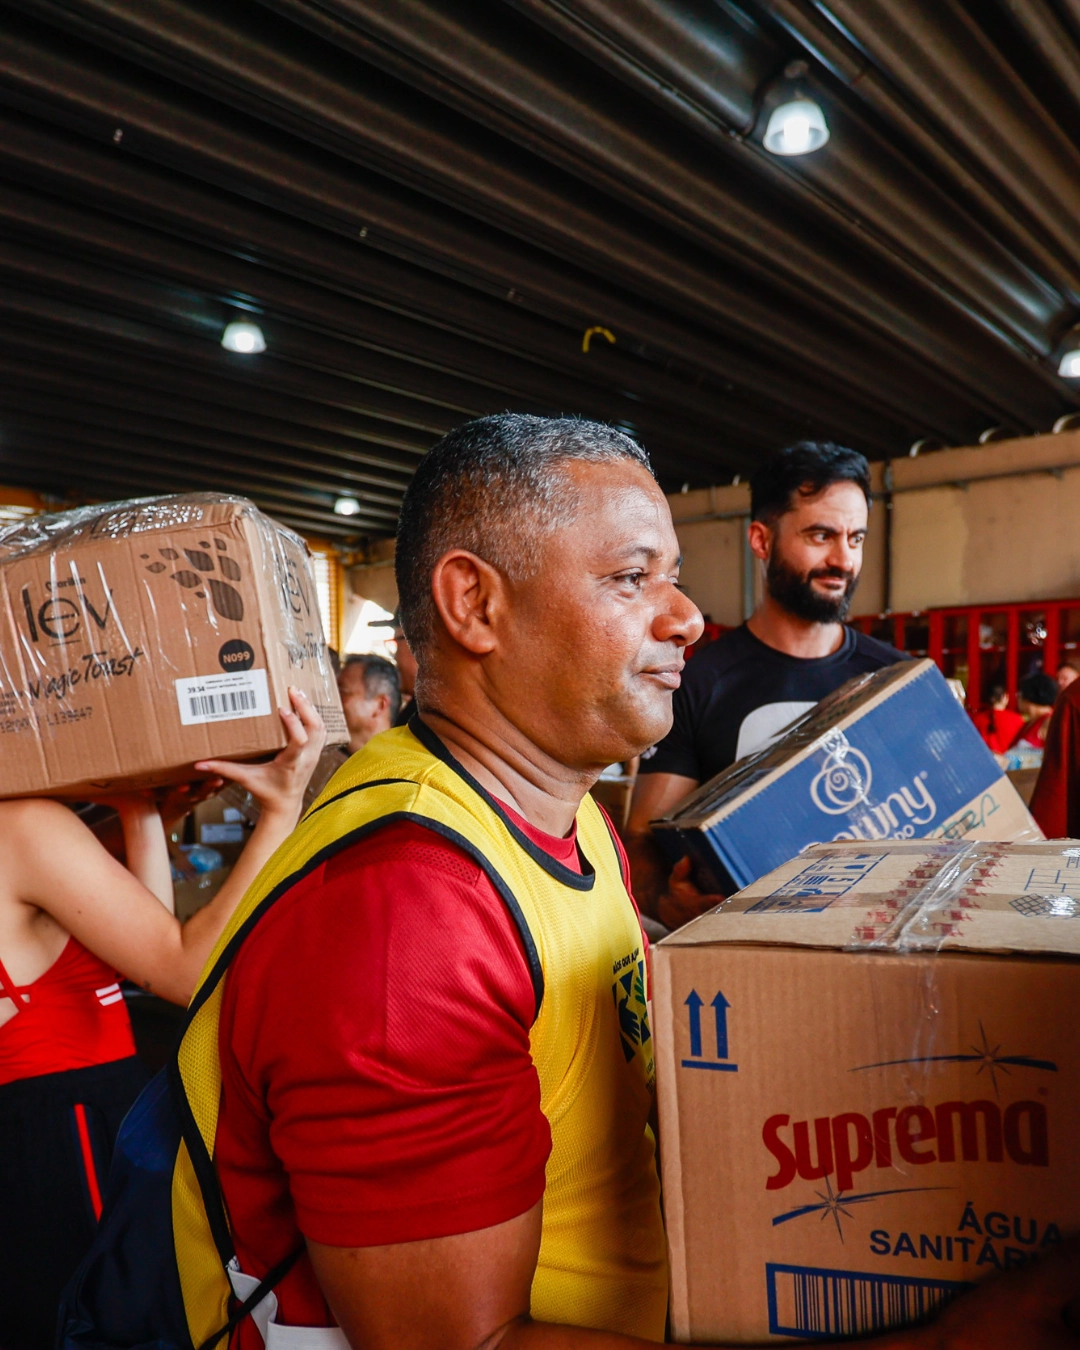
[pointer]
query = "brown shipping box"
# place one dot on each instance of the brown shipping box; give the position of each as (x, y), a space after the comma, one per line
(868, 1069)
(139, 637)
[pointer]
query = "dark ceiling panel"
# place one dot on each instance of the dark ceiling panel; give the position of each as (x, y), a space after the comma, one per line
(426, 205)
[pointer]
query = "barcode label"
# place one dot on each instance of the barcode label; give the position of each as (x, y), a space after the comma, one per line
(821, 1304)
(222, 698)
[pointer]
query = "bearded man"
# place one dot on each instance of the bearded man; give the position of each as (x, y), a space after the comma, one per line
(809, 506)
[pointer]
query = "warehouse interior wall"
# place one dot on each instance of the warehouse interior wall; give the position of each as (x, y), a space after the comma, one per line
(373, 579)
(988, 523)
(974, 525)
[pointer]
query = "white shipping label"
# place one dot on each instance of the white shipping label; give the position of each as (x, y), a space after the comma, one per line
(222, 698)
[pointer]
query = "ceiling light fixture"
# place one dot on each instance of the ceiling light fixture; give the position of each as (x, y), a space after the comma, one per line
(246, 338)
(796, 124)
(346, 506)
(1069, 365)
(796, 128)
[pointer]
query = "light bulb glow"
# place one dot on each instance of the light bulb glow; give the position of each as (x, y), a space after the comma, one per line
(1069, 365)
(796, 128)
(796, 134)
(243, 337)
(346, 506)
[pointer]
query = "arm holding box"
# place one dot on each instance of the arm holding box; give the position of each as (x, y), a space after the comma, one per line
(471, 1292)
(665, 894)
(60, 880)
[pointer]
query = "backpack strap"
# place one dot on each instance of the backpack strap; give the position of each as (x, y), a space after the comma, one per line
(265, 1286)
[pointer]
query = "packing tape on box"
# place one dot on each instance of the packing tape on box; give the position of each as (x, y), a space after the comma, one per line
(928, 907)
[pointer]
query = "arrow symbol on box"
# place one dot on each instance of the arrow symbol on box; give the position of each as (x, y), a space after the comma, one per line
(694, 1003)
(721, 1005)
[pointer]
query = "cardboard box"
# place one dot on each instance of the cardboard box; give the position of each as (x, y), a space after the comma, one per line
(868, 1068)
(890, 755)
(139, 637)
(221, 826)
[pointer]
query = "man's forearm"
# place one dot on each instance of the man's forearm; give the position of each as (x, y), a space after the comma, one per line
(649, 871)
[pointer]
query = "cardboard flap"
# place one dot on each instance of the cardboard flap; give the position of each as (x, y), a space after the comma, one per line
(915, 896)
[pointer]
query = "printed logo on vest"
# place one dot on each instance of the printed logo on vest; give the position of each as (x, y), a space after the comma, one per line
(628, 991)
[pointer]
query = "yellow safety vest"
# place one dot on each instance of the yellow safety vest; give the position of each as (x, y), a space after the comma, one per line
(603, 1260)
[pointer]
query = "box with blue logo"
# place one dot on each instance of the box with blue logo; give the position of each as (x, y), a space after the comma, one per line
(868, 1073)
(889, 755)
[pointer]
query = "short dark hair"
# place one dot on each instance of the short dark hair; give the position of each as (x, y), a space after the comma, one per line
(380, 677)
(807, 468)
(1039, 688)
(493, 487)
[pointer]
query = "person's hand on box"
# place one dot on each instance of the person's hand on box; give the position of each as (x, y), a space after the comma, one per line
(1034, 1307)
(176, 802)
(279, 785)
(682, 901)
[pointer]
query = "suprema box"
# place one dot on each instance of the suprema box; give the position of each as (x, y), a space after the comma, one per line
(868, 1067)
(889, 755)
(139, 637)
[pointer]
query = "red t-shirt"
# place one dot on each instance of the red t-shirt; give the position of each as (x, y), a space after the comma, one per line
(377, 1085)
(999, 727)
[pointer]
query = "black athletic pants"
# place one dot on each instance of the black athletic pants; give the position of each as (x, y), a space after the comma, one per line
(56, 1139)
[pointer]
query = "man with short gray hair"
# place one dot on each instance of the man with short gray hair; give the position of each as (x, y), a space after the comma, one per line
(370, 697)
(435, 1054)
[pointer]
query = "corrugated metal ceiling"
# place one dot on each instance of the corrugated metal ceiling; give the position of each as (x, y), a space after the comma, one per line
(427, 203)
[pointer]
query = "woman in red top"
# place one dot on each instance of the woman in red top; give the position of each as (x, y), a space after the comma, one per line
(998, 725)
(72, 919)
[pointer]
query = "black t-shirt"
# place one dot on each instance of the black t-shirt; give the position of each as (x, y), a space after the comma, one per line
(738, 693)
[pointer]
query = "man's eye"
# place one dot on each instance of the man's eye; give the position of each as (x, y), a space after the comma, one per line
(631, 578)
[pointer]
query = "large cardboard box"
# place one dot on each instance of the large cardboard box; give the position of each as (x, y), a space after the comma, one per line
(139, 637)
(890, 755)
(868, 1068)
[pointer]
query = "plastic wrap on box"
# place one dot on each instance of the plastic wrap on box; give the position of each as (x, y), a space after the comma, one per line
(138, 637)
(913, 896)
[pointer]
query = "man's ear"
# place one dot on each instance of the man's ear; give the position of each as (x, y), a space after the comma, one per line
(468, 593)
(760, 538)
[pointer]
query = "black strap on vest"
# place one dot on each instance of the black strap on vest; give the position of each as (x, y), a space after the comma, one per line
(577, 881)
(269, 1281)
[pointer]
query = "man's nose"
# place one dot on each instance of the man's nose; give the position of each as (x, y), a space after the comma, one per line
(680, 622)
(843, 554)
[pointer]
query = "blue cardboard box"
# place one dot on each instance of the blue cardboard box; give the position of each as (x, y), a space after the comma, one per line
(890, 755)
